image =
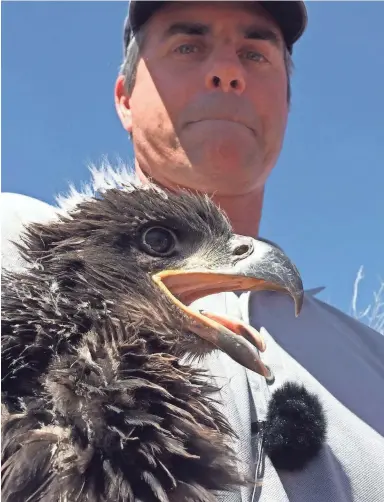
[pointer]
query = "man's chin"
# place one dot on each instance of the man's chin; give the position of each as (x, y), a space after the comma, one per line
(223, 176)
(223, 156)
(218, 135)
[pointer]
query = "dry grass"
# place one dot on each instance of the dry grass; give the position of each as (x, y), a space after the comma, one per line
(373, 315)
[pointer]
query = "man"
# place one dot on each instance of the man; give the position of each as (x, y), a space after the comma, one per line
(204, 94)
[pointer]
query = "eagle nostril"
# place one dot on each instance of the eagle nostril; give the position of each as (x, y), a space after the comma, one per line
(241, 250)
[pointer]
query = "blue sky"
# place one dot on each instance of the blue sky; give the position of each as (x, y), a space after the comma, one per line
(324, 202)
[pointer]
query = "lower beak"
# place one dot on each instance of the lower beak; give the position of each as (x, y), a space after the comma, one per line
(265, 268)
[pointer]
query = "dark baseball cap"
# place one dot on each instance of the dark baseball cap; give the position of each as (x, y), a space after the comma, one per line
(290, 16)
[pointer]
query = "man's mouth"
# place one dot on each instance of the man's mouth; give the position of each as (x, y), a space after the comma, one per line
(268, 269)
(218, 121)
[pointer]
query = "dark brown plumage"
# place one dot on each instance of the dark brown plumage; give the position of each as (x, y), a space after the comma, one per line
(99, 400)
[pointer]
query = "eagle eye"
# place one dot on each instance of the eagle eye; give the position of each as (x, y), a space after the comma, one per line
(159, 241)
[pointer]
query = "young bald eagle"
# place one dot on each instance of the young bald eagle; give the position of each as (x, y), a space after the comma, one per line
(100, 398)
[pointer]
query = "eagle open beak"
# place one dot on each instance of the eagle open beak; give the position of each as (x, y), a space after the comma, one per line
(264, 267)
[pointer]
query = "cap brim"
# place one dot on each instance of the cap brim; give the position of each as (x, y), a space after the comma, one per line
(290, 16)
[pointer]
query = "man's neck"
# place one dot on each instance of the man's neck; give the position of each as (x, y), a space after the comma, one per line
(243, 211)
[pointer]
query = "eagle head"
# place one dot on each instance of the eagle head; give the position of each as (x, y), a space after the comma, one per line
(141, 257)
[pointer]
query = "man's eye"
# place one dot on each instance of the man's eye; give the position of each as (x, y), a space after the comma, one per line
(187, 49)
(255, 56)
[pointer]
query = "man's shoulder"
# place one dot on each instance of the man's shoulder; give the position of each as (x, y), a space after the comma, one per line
(357, 326)
(317, 318)
(20, 205)
(344, 355)
(361, 336)
(17, 210)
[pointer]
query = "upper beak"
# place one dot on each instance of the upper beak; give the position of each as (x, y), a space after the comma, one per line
(255, 265)
(266, 267)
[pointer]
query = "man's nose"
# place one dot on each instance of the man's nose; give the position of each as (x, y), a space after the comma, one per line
(226, 73)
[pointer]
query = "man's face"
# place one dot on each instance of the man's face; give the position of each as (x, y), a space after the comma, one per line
(209, 106)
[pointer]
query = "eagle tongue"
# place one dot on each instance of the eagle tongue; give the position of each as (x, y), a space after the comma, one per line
(239, 328)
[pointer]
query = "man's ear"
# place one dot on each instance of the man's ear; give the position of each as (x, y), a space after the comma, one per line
(122, 104)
